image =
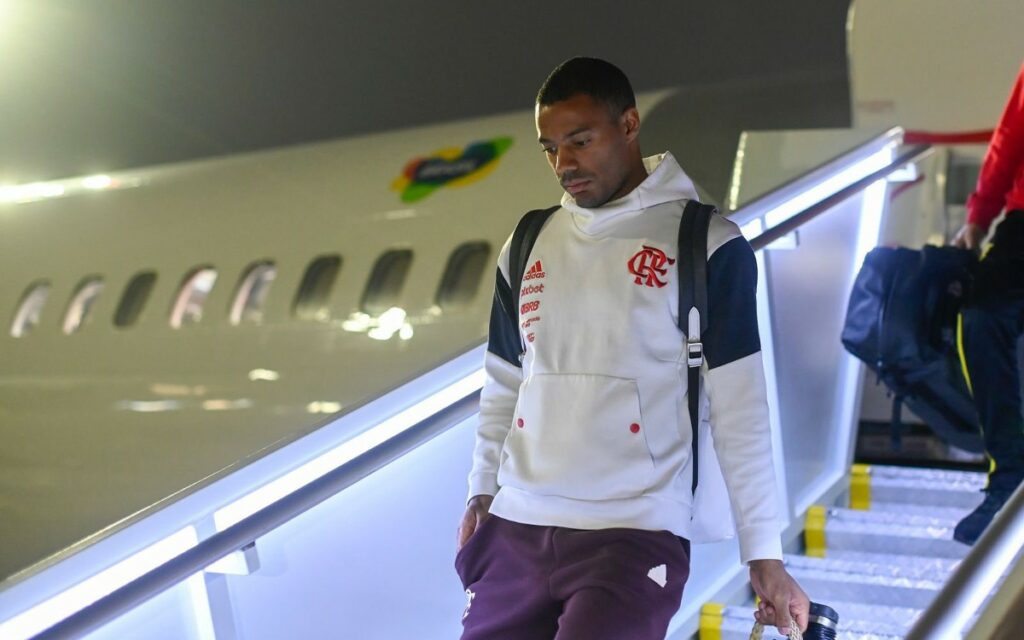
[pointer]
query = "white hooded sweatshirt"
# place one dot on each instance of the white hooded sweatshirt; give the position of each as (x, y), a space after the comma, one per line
(589, 427)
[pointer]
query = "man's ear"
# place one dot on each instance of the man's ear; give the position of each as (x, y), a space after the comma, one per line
(630, 123)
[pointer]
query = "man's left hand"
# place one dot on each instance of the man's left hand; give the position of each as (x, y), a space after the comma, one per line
(779, 594)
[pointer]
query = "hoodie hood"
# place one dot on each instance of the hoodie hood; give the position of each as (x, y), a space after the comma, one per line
(666, 182)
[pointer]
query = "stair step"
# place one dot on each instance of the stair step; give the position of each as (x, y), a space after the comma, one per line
(906, 567)
(867, 618)
(830, 586)
(953, 514)
(890, 532)
(932, 487)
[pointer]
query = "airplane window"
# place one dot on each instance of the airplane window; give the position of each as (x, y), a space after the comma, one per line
(81, 303)
(311, 302)
(386, 280)
(251, 294)
(188, 305)
(30, 309)
(462, 276)
(136, 294)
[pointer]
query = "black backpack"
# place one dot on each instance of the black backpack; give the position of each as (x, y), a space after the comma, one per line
(902, 322)
(693, 290)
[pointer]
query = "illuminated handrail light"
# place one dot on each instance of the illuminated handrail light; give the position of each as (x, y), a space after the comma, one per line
(828, 187)
(908, 173)
(51, 611)
(752, 229)
(869, 229)
(348, 450)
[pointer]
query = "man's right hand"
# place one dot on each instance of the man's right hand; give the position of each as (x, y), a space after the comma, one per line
(969, 237)
(477, 511)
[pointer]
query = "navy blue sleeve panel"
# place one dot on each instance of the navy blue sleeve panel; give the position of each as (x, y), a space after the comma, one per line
(732, 306)
(503, 337)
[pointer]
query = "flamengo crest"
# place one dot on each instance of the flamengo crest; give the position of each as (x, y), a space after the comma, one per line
(648, 265)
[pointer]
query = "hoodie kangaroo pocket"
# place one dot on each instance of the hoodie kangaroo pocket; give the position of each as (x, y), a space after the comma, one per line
(578, 436)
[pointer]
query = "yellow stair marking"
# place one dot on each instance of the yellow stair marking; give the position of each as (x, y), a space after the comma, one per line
(814, 531)
(711, 621)
(860, 487)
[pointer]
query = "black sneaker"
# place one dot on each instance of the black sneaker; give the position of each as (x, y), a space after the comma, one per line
(971, 527)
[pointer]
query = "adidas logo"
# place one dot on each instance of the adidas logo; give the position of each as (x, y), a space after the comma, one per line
(535, 273)
(659, 575)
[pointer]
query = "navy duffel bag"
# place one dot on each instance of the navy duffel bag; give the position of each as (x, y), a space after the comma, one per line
(902, 322)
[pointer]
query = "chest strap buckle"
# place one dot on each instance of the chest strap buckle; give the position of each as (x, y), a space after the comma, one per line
(694, 354)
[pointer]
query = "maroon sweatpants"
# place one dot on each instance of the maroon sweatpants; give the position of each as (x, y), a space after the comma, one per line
(525, 582)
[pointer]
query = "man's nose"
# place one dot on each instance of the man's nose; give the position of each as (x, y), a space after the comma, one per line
(565, 161)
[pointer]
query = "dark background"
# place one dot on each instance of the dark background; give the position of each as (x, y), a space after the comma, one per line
(99, 85)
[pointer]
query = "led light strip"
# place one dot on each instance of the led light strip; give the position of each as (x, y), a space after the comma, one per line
(348, 450)
(816, 193)
(51, 611)
(868, 232)
(752, 229)
(828, 187)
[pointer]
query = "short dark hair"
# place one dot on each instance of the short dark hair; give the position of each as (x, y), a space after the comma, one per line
(599, 79)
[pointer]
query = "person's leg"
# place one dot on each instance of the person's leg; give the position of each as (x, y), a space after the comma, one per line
(990, 336)
(504, 567)
(618, 583)
(992, 325)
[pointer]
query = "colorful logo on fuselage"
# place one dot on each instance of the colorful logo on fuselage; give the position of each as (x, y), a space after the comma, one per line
(452, 167)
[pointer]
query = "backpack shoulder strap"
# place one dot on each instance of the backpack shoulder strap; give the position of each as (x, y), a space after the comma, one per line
(692, 276)
(523, 239)
(693, 265)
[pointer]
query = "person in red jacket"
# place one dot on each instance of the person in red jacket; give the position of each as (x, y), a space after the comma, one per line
(993, 321)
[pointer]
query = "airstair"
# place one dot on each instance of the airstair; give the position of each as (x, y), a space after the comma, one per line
(349, 532)
(880, 562)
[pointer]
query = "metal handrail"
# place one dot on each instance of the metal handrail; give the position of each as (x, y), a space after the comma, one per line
(972, 582)
(246, 531)
(769, 199)
(790, 224)
(263, 521)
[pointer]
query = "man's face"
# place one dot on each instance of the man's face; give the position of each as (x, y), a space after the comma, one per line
(588, 147)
